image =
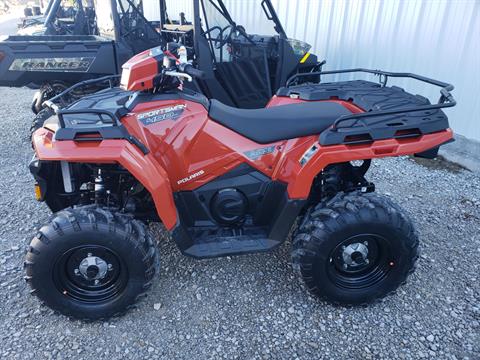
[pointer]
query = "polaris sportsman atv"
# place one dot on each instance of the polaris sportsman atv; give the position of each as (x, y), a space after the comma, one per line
(224, 181)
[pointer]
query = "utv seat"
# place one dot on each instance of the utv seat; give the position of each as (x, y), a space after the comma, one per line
(277, 123)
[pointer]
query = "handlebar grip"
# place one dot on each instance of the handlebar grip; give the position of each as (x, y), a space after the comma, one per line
(193, 72)
(51, 105)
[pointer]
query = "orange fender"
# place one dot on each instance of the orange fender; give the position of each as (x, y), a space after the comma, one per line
(144, 168)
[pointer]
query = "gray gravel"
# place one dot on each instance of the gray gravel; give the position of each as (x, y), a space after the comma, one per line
(253, 307)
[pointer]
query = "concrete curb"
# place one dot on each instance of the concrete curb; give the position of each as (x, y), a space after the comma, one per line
(463, 151)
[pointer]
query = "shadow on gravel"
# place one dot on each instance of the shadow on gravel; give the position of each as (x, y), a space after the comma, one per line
(439, 163)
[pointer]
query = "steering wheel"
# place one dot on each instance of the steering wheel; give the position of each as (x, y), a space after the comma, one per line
(220, 40)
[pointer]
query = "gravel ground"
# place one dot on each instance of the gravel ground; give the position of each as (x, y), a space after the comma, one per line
(253, 307)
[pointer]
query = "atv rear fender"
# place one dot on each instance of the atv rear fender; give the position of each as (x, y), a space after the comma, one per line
(300, 174)
(143, 167)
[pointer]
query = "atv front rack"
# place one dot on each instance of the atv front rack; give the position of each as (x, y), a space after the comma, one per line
(389, 112)
(51, 104)
(90, 108)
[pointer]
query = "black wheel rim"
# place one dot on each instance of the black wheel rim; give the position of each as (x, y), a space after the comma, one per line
(360, 261)
(90, 274)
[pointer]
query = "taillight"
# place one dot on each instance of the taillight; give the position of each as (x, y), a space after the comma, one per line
(2, 56)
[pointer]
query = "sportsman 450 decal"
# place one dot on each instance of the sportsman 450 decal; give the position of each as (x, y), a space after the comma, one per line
(168, 113)
(70, 64)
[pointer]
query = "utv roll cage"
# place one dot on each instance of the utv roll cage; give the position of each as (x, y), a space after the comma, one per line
(243, 69)
(83, 20)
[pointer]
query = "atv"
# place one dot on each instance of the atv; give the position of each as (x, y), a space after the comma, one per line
(224, 181)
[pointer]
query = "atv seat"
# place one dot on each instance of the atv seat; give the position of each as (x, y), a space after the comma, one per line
(277, 123)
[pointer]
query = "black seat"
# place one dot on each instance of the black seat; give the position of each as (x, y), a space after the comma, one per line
(276, 123)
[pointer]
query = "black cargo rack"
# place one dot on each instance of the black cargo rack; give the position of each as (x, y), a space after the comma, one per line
(411, 116)
(114, 130)
(60, 111)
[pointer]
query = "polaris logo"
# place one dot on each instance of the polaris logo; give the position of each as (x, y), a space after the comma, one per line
(74, 64)
(191, 177)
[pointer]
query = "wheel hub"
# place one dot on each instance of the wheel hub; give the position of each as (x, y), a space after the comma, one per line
(93, 268)
(355, 254)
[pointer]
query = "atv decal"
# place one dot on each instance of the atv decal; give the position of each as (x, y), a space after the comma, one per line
(191, 177)
(73, 64)
(168, 113)
(258, 153)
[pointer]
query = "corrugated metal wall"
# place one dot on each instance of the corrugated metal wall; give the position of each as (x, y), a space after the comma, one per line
(436, 38)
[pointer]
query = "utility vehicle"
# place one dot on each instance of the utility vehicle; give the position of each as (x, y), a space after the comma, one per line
(224, 181)
(241, 68)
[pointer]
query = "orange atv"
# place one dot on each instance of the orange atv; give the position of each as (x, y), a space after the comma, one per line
(224, 181)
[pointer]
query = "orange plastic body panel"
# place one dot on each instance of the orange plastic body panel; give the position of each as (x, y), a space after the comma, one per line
(138, 72)
(191, 150)
(144, 167)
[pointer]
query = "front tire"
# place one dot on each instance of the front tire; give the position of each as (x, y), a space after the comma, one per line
(355, 248)
(91, 263)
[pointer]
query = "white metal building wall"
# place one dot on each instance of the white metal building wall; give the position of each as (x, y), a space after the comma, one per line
(436, 38)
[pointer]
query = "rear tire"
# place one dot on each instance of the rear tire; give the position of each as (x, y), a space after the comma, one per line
(355, 248)
(91, 263)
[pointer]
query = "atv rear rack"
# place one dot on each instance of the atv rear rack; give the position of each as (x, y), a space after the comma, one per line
(114, 128)
(415, 114)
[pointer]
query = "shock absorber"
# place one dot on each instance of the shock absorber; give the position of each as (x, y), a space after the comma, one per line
(99, 188)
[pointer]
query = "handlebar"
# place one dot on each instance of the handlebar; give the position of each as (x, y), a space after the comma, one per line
(193, 72)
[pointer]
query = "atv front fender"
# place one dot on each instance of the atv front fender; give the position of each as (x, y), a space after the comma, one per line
(143, 167)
